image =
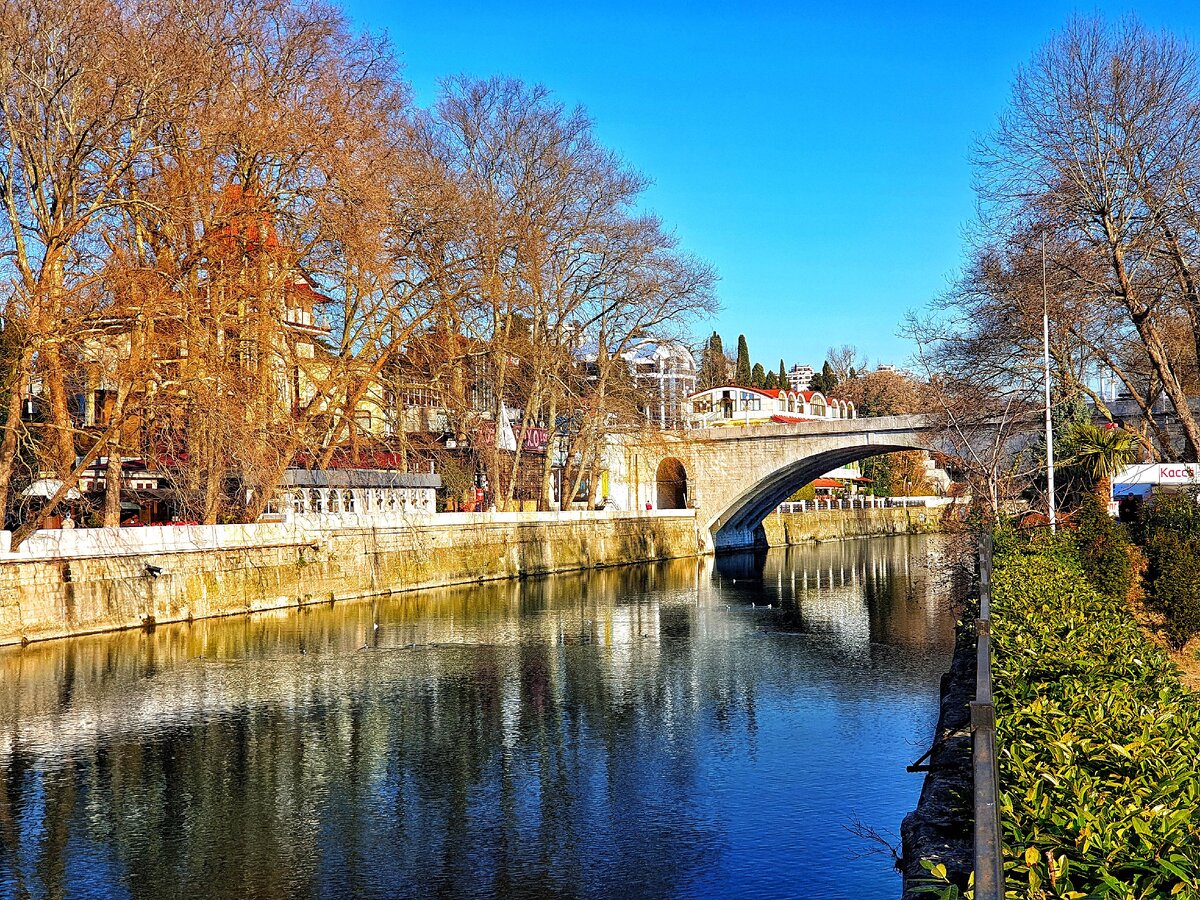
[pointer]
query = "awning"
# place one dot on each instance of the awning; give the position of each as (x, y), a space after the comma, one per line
(1131, 490)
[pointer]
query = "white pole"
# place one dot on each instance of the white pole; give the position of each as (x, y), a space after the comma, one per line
(1049, 425)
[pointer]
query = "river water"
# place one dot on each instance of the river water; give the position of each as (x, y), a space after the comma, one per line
(686, 729)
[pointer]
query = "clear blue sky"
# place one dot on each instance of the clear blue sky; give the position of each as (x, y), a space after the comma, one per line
(816, 154)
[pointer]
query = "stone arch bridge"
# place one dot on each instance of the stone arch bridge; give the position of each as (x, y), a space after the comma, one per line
(733, 477)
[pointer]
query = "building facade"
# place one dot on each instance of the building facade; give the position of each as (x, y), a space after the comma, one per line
(800, 377)
(666, 373)
(737, 405)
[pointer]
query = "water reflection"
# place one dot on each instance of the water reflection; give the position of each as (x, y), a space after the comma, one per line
(672, 730)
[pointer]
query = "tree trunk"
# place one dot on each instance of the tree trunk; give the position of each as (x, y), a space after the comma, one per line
(548, 463)
(11, 432)
(63, 439)
(1155, 348)
(112, 487)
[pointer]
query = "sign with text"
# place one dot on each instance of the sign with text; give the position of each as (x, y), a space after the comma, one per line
(1178, 473)
(1160, 473)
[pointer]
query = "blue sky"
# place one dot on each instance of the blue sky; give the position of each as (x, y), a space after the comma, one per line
(816, 154)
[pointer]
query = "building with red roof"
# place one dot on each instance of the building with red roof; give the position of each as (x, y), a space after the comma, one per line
(737, 405)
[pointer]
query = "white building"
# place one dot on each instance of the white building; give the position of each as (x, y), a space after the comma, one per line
(666, 373)
(736, 405)
(800, 377)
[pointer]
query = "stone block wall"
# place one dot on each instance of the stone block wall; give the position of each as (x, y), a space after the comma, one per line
(843, 524)
(79, 582)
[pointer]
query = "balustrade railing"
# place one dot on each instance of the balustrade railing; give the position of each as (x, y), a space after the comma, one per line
(827, 503)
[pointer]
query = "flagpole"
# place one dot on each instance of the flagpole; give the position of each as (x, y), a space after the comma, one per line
(1049, 422)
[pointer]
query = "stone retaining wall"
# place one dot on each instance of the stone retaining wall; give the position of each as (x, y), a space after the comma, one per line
(842, 524)
(76, 582)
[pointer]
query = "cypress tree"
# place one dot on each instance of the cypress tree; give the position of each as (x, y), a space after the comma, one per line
(783, 382)
(824, 381)
(772, 381)
(758, 376)
(742, 374)
(712, 363)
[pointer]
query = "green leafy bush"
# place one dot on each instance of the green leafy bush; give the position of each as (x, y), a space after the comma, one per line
(1173, 580)
(1103, 549)
(1098, 740)
(1170, 533)
(1175, 512)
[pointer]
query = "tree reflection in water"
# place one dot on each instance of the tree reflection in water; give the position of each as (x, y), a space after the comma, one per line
(648, 731)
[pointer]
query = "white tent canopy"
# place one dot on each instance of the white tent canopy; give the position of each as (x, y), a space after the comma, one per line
(48, 487)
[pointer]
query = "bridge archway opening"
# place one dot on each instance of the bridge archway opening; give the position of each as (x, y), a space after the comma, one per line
(670, 484)
(740, 525)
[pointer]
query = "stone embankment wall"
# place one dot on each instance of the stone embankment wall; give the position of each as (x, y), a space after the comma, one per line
(842, 524)
(75, 582)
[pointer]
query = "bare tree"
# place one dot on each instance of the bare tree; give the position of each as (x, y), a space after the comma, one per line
(1099, 152)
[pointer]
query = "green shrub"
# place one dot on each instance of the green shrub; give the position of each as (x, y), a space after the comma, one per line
(1170, 533)
(1097, 740)
(1176, 512)
(1103, 547)
(1173, 581)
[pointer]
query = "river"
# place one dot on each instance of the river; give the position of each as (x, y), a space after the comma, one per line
(696, 728)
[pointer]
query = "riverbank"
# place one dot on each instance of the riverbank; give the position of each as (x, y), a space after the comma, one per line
(83, 581)
(785, 529)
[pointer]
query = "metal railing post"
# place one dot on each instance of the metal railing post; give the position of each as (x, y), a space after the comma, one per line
(989, 858)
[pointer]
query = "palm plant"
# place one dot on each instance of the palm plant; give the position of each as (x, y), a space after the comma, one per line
(1099, 452)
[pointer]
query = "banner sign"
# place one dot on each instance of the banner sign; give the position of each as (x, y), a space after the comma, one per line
(1160, 473)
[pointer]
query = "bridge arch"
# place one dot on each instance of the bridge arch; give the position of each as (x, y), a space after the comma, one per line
(740, 523)
(670, 479)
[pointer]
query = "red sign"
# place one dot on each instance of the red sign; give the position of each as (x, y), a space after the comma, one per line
(536, 439)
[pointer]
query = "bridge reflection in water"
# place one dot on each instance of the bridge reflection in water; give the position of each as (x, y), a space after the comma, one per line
(647, 731)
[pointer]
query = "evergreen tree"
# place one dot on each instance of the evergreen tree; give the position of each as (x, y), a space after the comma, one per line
(824, 381)
(742, 374)
(831, 380)
(772, 381)
(879, 470)
(783, 382)
(712, 364)
(758, 376)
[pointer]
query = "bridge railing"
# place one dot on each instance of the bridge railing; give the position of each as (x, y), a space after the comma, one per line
(826, 503)
(989, 861)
